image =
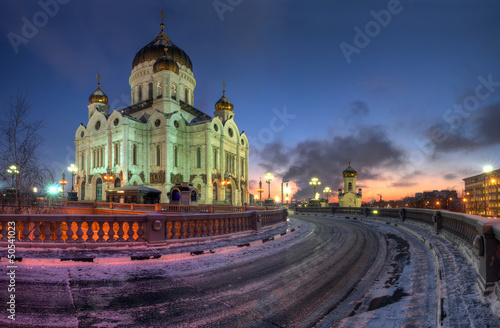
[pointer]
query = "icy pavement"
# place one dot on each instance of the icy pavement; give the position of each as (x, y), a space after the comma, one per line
(436, 288)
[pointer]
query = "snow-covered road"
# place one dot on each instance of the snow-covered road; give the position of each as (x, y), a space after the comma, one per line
(330, 272)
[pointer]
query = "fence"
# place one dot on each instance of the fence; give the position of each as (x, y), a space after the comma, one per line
(481, 234)
(88, 231)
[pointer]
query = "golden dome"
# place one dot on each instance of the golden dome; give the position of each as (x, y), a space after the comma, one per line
(349, 172)
(98, 96)
(155, 50)
(224, 103)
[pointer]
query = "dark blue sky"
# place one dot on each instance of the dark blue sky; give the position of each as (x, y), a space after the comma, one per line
(308, 109)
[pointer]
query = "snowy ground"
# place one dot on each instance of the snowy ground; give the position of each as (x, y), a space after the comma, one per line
(418, 286)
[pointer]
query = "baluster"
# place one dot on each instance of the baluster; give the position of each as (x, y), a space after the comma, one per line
(59, 233)
(69, 233)
(26, 232)
(190, 229)
(111, 232)
(100, 232)
(175, 229)
(4, 230)
(208, 230)
(130, 232)
(140, 231)
(203, 228)
(79, 232)
(216, 230)
(120, 231)
(37, 233)
(199, 228)
(90, 233)
(226, 224)
(183, 230)
(47, 233)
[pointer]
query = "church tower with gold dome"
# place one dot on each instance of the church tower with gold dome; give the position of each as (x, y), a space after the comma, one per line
(161, 139)
(349, 197)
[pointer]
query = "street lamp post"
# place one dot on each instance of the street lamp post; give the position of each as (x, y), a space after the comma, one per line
(63, 182)
(72, 195)
(283, 181)
(260, 190)
(269, 177)
(327, 192)
(15, 172)
(486, 170)
(225, 183)
(314, 182)
(109, 176)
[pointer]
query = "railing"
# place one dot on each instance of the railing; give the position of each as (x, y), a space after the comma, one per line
(481, 234)
(164, 207)
(62, 230)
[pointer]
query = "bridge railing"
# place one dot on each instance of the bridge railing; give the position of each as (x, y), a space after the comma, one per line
(155, 229)
(479, 233)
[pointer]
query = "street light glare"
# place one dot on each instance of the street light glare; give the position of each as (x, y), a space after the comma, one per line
(487, 168)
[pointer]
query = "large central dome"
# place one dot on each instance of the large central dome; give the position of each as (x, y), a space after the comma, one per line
(155, 50)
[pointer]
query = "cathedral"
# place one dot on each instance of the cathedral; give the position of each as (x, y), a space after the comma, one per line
(349, 198)
(161, 139)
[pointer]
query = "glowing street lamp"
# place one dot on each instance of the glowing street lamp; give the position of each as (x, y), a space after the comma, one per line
(314, 182)
(327, 192)
(72, 169)
(487, 169)
(260, 190)
(269, 177)
(14, 172)
(225, 183)
(62, 182)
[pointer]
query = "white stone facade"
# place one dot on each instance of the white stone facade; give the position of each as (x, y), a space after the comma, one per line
(161, 138)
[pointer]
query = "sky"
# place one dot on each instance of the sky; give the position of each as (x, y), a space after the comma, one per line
(407, 91)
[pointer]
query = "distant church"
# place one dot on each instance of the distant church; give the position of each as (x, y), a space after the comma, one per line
(161, 139)
(349, 197)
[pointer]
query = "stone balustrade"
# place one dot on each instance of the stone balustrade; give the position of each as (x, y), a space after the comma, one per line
(475, 232)
(155, 229)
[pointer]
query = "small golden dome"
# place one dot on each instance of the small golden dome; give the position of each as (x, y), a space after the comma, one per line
(350, 172)
(98, 96)
(224, 103)
(166, 63)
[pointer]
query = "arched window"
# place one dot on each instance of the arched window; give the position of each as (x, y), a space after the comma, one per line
(159, 90)
(134, 155)
(118, 183)
(186, 96)
(150, 90)
(158, 155)
(214, 198)
(140, 93)
(117, 154)
(349, 186)
(176, 155)
(174, 91)
(198, 157)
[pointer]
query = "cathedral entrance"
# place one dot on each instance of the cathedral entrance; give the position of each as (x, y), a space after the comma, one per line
(98, 189)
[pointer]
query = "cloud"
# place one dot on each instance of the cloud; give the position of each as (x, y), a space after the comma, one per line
(406, 180)
(403, 184)
(479, 130)
(359, 108)
(368, 150)
(450, 176)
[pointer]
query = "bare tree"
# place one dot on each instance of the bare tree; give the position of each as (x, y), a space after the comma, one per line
(20, 145)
